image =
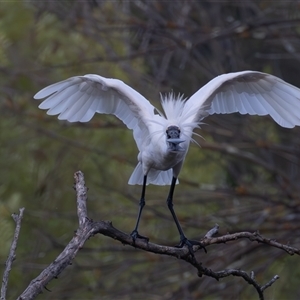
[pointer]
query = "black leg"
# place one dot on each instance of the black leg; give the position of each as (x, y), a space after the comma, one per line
(183, 239)
(135, 233)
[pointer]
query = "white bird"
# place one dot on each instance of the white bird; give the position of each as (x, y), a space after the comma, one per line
(163, 139)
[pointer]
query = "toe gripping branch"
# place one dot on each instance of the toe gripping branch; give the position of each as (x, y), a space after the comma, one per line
(190, 243)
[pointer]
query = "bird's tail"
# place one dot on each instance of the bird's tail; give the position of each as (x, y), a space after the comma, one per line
(156, 177)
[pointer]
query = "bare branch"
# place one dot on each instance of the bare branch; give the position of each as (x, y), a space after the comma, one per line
(12, 252)
(81, 197)
(268, 284)
(252, 237)
(212, 232)
(68, 254)
(88, 228)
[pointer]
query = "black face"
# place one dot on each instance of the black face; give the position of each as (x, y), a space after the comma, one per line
(173, 132)
(173, 139)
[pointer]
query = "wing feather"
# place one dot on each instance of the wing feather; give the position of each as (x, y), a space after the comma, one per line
(247, 92)
(85, 102)
(78, 98)
(253, 106)
(56, 99)
(239, 104)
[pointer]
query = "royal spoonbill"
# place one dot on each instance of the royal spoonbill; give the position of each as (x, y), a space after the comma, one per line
(163, 138)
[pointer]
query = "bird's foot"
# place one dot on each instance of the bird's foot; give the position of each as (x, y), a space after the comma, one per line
(190, 243)
(135, 235)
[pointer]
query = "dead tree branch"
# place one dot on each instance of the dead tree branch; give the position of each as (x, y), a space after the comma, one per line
(88, 228)
(12, 252)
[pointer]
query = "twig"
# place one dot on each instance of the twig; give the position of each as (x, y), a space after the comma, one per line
(88, 228)
(81, 192)
(255, 236)
(84, 232)
(212, 232)
(268, 284)
(12, 252)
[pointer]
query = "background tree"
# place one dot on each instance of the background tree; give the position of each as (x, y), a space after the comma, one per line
(245, 176)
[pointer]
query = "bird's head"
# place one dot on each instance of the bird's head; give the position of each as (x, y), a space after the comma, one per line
(173, 138)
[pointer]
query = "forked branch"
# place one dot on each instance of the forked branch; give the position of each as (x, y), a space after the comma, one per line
(12, 253)
(88, 228)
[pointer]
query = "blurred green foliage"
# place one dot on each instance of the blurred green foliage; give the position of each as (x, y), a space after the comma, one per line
(44, 42)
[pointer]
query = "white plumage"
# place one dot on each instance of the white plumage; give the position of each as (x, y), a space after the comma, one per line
(78, 98)
(163, 139)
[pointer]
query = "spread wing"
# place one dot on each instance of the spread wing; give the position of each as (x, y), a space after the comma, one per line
(78, 98)
(246, 92)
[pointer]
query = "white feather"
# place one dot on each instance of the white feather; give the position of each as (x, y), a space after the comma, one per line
(248, 92)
